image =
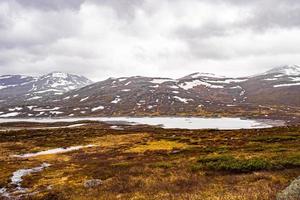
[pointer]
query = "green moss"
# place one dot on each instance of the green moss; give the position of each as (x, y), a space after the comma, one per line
(288, 161)
(274, 138)
(165, 165)
(196, 167)
(229, 163)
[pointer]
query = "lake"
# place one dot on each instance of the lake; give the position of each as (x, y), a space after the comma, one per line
(223, 123)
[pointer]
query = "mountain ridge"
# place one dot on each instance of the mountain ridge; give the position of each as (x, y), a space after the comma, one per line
(196, 94)
(20, 88)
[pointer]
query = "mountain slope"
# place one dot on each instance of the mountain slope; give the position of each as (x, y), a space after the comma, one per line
(16, 89)
(278, 86)
(197, 94)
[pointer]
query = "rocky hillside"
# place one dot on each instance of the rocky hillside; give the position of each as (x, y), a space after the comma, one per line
(194, 94)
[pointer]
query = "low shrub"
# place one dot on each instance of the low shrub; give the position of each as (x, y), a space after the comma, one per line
(289, 161)
(165, 165)
(229, 163)
(274, 138)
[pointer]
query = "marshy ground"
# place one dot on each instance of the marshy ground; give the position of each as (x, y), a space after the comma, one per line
(143, 162)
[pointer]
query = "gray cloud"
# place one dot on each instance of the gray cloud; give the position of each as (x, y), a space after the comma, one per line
(101, 38)
(275, 14)
(123, 8)
(51, 4)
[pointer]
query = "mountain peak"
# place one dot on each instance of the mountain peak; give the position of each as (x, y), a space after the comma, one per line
(199, 75)
(57, 74)
(290, 70)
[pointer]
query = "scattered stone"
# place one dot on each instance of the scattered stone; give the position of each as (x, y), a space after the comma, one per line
(292, 192)
(175, 151)
(92, 183)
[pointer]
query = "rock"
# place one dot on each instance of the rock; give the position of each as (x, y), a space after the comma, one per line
(92, 183)
(175, 151)
(292, 192)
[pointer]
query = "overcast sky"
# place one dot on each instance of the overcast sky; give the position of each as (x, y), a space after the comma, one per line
(171, 38)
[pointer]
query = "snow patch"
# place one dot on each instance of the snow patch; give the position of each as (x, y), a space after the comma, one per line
(97, 108)
(5, 77)
(295, 79)
(34, 98)
(127, 83)
(161, 80)
(15, 109)
(46, 109)
(174, 87)
(289, 70)
(16, 179)
(4, 193)
(52, 151)
(3, 87)
(116, 128)
(227, 81)
(194, 83)
(12, 114)
(59, 75)
(56, 112)
(151, 106)
(45, 91)
(184, 100)
(84, 99)
(31, 107)
(116, 100)
(270, 79)
(286, 85)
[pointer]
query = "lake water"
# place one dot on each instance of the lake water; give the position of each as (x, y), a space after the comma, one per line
(223, 123)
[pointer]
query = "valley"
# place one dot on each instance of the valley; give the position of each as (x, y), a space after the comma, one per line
(98, 160)
(149, 100)
(201, 136)
(271, 95)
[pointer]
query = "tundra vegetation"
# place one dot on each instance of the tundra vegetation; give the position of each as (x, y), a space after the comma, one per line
(143, 162)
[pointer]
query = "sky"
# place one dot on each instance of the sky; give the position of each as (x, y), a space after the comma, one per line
(167, 38)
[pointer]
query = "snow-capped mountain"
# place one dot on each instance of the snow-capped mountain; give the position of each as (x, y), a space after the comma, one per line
(288, 70)
(196, 94)
(19, 89)
(59, 83)
(283, 76)
(201, 75)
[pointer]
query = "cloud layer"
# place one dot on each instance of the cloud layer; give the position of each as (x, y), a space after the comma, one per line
(103, 38)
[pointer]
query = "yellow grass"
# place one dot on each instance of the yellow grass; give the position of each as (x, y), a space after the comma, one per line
(158, 145)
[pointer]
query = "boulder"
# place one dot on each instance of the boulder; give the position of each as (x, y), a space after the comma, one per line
(292, 192)
(92, 183)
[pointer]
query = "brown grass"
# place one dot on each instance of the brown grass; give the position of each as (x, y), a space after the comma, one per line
(152, 163)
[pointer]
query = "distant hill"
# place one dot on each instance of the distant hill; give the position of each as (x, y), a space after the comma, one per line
(195, 94)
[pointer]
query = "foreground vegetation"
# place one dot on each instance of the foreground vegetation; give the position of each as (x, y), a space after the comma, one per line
(141, 162)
